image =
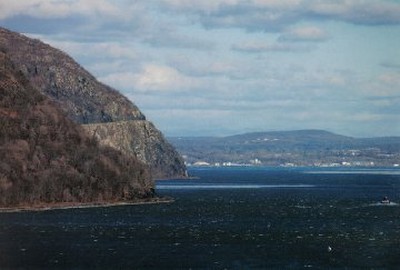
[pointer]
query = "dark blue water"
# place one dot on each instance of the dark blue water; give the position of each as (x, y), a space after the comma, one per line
(234, 218)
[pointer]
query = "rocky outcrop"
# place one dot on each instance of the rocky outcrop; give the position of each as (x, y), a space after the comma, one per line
(45, 158)
(142, 140)
(59, 77)
(87, 101)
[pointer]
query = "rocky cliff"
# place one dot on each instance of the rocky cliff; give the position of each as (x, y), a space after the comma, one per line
(87, 101)
(46, 158)
(141, 139)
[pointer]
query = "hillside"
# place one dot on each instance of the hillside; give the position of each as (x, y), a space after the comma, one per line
(290, 148)
(45, 158)
(87, 101)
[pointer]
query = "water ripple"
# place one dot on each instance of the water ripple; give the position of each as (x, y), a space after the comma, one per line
(231, 186)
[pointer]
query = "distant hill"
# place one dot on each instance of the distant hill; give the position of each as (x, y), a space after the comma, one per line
(290, 148)
(101, 110)
(45, 158)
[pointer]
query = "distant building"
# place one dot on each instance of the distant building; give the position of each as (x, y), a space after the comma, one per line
(255, 161)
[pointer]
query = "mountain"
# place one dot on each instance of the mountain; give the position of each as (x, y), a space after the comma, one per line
(101, 110)
(45, 158)
(290, 148)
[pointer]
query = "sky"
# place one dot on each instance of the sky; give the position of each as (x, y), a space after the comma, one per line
(224, 67)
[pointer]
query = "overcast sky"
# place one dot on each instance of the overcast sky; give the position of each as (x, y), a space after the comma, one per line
(222, 67)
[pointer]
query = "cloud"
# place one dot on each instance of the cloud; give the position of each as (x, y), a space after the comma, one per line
(205, 6)
(206, 66)
(252, 15)
(310, 33)
(390, 65)
(391, 79)
(103, 49)
(171, 38)
(152, 78)
(261, 47)
(79, 20)
(58, 9)
(366, 12)
(34, 8)
(194, 122)
(274, 15)
(383, 86)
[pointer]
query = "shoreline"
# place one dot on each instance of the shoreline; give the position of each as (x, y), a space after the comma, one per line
(182, 178)
(76, 205)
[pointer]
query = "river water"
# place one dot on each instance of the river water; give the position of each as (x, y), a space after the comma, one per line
(225, 218)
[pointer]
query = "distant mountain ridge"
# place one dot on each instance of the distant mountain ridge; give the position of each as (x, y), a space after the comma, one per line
(100, 109)
(290, 148)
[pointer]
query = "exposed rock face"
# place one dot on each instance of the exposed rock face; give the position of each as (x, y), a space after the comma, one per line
(58, 76)
(87, 101)
(141, 139)
(47, 158)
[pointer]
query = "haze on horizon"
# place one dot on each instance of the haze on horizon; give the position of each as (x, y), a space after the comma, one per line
(223, 67)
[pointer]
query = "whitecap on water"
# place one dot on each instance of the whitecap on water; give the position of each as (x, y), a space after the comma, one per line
(384, 204)
(391, 204)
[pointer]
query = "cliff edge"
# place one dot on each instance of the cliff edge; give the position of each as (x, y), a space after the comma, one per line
(91, 103)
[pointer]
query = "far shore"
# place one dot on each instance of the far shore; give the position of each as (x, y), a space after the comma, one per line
(76, 205)
(178, 178)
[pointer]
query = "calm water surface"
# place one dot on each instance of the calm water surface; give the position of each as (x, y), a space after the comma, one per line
(233, 218)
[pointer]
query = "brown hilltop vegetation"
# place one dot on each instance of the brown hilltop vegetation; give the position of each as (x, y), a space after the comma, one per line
(102, 111)
(46, 158)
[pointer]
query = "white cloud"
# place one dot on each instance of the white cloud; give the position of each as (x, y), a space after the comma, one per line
(58, 9)
(264, 15)
(385, 85)
(275, 15)
(167, 37)
(310, 33)
(100, 57)
(365, 117)
(213, 66)
(213, 6)
(206, 6)
(152, 77)
(12, 8)
(99, 50)
(391, 79)
(259, 47)
(359, 11)
(277, 4)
